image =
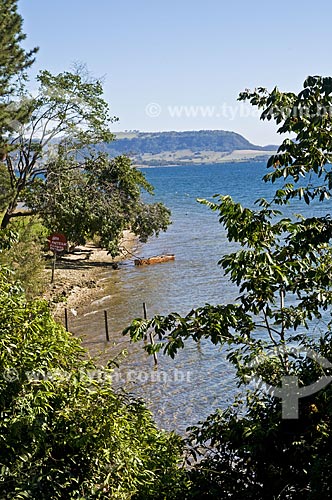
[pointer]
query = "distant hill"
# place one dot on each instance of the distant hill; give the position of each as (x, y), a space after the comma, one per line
(179, 148)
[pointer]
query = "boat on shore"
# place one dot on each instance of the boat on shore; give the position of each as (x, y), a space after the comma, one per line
(154, 260)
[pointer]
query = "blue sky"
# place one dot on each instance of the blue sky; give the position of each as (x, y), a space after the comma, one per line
(180, 65)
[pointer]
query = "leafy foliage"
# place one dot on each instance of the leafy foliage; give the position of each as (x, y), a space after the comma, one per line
(104, 200)
(308, 116)
(56, 167)
(283, 271)
(5, 188)
(22, 253)
(250, 451)
(64, 432)
(67, 108)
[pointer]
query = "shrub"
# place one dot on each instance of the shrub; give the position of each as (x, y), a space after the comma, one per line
(64, 432)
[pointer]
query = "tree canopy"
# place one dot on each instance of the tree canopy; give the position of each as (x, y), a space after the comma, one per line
(58, 169)
(104, 200)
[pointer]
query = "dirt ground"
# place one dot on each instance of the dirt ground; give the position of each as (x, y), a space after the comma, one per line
(75, 277)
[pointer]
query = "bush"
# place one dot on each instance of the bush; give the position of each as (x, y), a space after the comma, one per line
(64, 432)
(248, 451)
(24, 255)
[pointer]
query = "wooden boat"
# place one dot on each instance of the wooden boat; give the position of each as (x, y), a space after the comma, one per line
(154, 260)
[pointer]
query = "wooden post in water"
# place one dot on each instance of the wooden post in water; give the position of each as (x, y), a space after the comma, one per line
(106, 326)
(66, 319)
(150, 334)
(144, 311)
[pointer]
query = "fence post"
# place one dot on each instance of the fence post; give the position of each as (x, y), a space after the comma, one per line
(66, 319)
(106, 326)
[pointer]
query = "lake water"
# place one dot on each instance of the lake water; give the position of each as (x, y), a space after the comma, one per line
(182, 391)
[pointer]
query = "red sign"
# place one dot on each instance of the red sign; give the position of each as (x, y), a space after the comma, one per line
(57, 242)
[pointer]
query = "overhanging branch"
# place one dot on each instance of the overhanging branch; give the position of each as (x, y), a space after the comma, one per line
(26, 213)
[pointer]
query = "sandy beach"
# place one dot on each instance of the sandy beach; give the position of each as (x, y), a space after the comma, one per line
(76, 274)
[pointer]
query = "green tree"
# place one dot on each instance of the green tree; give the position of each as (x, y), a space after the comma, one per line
(284, 274)
(67, 110)
(5, 188)
(64, 432)
(14, 61)
(57, 167)
(104, 199)
(23, 244)
(248, 451)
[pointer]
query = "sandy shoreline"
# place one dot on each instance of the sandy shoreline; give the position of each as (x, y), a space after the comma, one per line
(76, 274)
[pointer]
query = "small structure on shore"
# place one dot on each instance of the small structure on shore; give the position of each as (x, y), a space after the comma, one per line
(154, 260)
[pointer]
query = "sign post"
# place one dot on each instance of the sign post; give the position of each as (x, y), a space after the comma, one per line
(53, 266)
(57, 243)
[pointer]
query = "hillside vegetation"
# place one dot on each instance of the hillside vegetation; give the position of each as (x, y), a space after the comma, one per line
(181, 148)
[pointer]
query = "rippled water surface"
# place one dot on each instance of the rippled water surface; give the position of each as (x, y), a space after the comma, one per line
(181, 391)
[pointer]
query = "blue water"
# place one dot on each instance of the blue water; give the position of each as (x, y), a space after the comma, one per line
(187, 389)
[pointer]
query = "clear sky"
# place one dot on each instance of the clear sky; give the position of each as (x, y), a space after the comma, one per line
(180, 64)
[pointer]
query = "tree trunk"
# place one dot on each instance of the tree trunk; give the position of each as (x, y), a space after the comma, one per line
(9, 212)
(6, 219)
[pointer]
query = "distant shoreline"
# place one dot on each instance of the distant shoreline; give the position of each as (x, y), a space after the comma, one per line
(258, 159)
